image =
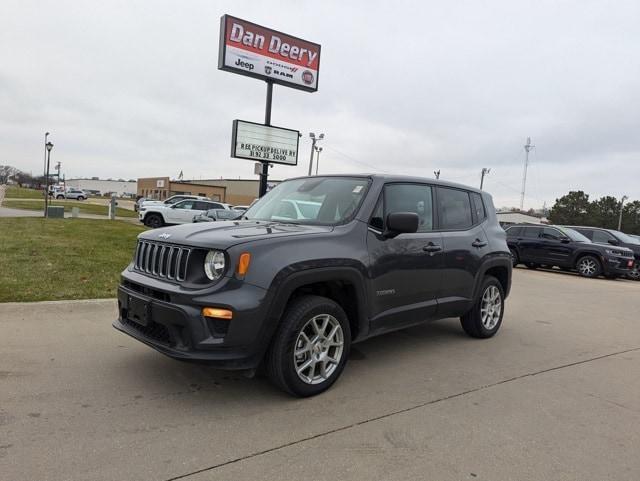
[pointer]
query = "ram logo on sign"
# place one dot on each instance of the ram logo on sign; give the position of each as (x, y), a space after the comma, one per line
(256, 51)
(264, 143)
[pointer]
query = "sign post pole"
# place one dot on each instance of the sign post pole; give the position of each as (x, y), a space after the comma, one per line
(267, 122)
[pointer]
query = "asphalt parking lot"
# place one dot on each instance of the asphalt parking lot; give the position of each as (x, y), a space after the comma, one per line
(555, 395)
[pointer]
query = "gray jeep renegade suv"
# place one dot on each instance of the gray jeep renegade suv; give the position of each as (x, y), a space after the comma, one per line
(315, 265)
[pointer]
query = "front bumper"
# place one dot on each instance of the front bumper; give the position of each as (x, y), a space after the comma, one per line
(172, 323)
(619, 266)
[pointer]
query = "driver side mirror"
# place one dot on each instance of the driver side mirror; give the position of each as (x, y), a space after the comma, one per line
(401, 223)
(614, 242)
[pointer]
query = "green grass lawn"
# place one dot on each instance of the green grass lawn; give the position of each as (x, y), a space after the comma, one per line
(52, 259)
(84, 207)
(15, 192)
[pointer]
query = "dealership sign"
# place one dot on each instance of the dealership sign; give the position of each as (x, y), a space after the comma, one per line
(264, 143)
(263, 53)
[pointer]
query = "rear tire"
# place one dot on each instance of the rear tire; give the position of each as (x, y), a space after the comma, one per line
(485, 317)
(532, 265)
(80, 198)
(154, 221)
(589, 266)
(59, 197)
(301, 331)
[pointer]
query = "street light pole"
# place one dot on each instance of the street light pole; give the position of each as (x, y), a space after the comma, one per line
(624, 197)
(314, 139)
(49, 146)
(485, 171)
(44, 165)
(318, 150)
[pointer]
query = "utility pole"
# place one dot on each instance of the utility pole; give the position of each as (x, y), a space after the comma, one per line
(527, 149)
(318, 150)
(314, 139)
(485, 171)
(624, 197)
(437, 173)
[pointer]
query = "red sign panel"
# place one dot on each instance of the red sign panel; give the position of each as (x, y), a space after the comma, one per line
(260, 52)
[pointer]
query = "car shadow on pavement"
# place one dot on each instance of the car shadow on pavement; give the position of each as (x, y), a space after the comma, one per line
(155, 376)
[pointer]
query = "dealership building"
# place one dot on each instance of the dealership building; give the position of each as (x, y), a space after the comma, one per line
(121, 188)
(232, 191)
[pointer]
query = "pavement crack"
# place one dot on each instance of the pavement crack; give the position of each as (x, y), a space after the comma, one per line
(399, 411)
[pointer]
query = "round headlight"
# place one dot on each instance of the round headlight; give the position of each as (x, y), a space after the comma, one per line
(214, 265)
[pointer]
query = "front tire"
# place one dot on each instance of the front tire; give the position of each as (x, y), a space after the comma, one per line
(589, 266)
(154, 221)
(514, 257)
(634, 274)
(59, 197)
(485, 317)
(310, 348)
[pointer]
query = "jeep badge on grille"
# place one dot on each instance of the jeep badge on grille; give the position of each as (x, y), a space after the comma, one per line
(164, 235)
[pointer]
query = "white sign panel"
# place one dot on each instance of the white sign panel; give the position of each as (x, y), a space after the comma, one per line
(264, 143)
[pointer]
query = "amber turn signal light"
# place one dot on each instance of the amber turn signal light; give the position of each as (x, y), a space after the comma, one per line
(217, 313)
(243, 263)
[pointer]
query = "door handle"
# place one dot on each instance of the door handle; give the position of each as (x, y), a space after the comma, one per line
(479, 243)
(431, 247)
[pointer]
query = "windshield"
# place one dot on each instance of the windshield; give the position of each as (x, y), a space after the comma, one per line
(627, 239)
(574, 235)
(315, 200)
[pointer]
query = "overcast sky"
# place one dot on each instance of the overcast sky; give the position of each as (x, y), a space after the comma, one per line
(131, 89)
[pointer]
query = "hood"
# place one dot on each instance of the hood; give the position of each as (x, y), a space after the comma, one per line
(605, 247)
(222, 235)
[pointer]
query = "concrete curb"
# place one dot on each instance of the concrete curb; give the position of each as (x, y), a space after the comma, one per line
(60, 303)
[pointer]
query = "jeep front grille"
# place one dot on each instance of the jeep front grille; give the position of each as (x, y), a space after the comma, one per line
(162, 260)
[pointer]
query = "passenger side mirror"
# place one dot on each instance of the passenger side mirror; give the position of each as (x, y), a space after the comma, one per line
(614, 242)
(401, 223)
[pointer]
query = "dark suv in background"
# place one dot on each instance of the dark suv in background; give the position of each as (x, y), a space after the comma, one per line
(615, 238)
(557, 246)
(374, 254)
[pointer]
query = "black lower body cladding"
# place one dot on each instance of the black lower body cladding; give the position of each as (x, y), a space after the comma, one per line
(179, 330)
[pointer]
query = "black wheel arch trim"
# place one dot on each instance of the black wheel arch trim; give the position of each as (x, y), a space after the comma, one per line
(496, 261)
(289, 279)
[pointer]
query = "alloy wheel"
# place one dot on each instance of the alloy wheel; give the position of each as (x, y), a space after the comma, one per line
(318, 349)
(635, 272)
(491, 307)
(587, 267)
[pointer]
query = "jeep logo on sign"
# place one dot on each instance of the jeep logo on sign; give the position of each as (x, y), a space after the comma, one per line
(245, 65)
(164, 235)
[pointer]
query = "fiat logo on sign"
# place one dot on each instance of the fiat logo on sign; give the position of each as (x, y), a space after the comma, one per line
(307, 77)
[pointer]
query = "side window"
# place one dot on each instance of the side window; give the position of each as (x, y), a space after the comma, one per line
(531, 232)
(410, 198)
(587, 233)
(514, 231)
(601, 237)
(478, 206)
(454, 209)
(185, 204)
(201, 205)
(550, 233)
